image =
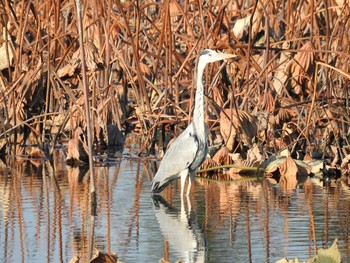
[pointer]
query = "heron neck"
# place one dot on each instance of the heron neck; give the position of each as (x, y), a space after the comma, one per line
(198, 115)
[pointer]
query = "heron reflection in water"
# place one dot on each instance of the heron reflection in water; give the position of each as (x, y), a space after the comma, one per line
(181, 230)
(189, 150)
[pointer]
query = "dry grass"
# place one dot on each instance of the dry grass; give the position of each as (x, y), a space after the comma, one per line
(292, 65)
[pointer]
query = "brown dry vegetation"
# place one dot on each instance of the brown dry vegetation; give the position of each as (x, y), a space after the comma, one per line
(287, 88)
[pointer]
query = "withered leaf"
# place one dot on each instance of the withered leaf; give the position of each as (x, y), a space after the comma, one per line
(299, 67)
(6, 60)
(230, 126)
(254, 156)
(241, 26)
(208, 163)
(329, 255)
(280, 77)
(77, 149)
(288, 172)
(93, 61)
(222, 156)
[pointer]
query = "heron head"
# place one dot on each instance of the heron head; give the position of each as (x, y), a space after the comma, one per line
(209, 55)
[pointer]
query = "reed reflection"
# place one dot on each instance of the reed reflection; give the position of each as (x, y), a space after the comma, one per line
(44, 215)
(181, 230)
(78, 208)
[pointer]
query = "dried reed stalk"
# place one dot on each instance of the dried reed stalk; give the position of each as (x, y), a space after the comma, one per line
(292, 64)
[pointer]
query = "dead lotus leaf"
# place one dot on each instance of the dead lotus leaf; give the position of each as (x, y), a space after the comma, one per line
(230, 126)
(290, 172)
(70, 69)
(174, 8)
(241, 165)
(303, 59)
(328, 115)
(145, 69)
(100, 257)
(222, 156)
(340, 9)
(280, 77)
(4, 62)
(237, 159)
(345, 165)
(241, 27)
(37, 156)
(336, 158)
(332, 129)
(208, 163)
(290, 132)
(316, 166)
(283, 115)
(77, 149)
(254, 156)
(36, 152)
(299, 66)
(93, 61)
(329, 255)
(74, 259)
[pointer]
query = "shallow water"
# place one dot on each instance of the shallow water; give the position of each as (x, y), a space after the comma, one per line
(45, 216)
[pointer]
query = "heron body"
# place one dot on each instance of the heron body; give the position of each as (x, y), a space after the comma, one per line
(189, 150)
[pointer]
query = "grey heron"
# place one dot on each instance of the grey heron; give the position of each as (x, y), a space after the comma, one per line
(189, 150)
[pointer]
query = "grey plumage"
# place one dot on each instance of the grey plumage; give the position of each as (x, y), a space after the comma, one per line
(189, 150)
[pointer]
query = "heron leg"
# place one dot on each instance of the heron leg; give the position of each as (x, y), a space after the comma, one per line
(189, 185)
(183, 176)
(189, 207)
(190, 179)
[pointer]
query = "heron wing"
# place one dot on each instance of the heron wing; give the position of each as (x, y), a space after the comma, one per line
(179, 156)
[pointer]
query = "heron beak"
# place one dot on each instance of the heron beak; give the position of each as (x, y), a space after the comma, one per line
(225, 55)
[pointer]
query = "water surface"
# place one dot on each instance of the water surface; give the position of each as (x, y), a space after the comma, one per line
(45, 216)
